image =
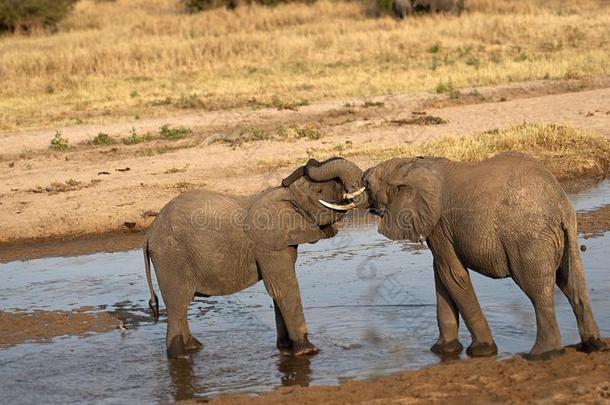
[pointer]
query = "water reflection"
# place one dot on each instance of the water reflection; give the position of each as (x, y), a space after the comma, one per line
(186, 384)
(294, 370)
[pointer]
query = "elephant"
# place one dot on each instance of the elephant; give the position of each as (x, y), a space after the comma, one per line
(505, 216)
(204, 243)
(402, 8)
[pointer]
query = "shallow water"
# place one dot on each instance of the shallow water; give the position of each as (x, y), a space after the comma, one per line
(369, 305)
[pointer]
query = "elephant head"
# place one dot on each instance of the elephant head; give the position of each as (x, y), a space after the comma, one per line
(406, 194)
(305, 207)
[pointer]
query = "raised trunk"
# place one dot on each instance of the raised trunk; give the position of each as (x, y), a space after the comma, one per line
(335, 168)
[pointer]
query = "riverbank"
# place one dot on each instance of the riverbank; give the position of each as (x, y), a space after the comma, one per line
(575, 377)
(80, 187)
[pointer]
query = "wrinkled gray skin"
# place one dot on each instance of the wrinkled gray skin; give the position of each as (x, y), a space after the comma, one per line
(402, 8)
(204, 243)
(503, 217)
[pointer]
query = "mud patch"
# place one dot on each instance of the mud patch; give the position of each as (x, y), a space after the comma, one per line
(595, 222)
(573, 378)
(43, 326)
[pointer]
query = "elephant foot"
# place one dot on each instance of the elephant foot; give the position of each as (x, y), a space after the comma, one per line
(304, 347)
(284, 345)
(447, 348)
(176, 349)
(193, 345)
(594, 344)
(482, 349)
(547, 355)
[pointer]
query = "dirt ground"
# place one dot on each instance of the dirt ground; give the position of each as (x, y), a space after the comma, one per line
(573, 378)
(91, 190)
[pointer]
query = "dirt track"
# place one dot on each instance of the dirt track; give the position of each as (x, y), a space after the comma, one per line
(118, 187)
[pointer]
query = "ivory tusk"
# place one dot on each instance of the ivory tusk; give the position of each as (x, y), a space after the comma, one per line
(349, 196)
(338, 207)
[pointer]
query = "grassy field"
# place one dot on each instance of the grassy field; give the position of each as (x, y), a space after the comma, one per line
(139, 58)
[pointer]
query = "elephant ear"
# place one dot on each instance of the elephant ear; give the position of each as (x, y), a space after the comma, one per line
(275, 223)
(414, 203)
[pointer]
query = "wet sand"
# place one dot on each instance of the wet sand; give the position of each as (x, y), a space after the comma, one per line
(43, 326)
(573, 378)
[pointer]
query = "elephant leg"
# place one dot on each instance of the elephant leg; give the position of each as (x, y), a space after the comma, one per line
(448, 320)
(454, 276)
(571, 280)
(534, 267)
(277, 270)
(177, 334)
(548, 340)
(283, 340)
(190, 343)
(177, 297)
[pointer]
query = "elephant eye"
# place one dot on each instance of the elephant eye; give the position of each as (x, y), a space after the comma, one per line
(319, 191)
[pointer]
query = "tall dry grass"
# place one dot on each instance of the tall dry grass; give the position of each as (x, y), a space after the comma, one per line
(147, 57)
(569, 153)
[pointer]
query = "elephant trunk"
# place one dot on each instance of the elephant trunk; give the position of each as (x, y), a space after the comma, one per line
(348, 172)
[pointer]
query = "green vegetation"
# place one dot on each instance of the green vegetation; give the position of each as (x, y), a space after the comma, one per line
(59, 143)
(103, 139)
(134, 138)
(173, 134)
(30, 15)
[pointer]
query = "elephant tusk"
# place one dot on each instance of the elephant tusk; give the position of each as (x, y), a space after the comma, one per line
(349, 196)
(338, 207)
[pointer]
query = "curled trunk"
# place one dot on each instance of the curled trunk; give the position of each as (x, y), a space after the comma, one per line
(335, 168)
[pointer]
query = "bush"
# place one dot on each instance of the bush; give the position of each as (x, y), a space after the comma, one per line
(103, 139)
(59, 143)
(27, 15)
(173, 134)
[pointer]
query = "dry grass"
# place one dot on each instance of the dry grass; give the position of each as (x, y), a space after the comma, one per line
(147, 57)
(568, 152)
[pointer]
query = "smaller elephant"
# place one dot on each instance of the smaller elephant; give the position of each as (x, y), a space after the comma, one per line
(506, 216)
(205, 244)
(402, 8)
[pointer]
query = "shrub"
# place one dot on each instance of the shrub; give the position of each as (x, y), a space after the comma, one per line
(173, 134)
(26, 15)
(103, 139)
(59, 143)
(134, 138)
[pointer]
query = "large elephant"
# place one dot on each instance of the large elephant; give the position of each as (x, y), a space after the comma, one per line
(204, 243)
(506, 216)
(402, 8)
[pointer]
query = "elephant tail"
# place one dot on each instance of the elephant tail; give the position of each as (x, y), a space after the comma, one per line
(571, 269)
(153, 303)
